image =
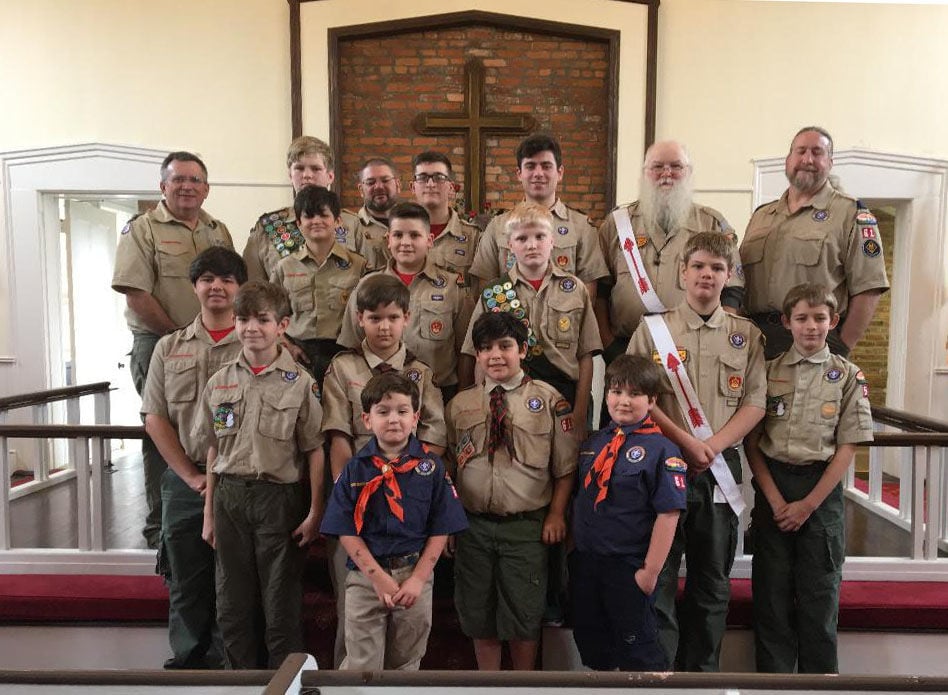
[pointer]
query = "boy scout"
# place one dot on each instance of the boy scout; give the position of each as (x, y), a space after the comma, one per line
(708, 408)
(382, 303)
(392, 508)
(576, 247)
(261, 420)
(180, 368)
(562, 326)
(511, 451)
(440, 308)
(817, 411)
(318, 277)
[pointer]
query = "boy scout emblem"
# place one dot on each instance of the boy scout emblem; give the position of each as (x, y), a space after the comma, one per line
(641, 241)
(833, 375)
(436, 327)
(224, 418)
(820, 215)
(871, 248)
(290, 377)
(465, 450)
(635, 454)
(563, 324)
(737, 340)
(534, 405)
(734, 382)
(562, 261)
(563, 230)
(413, 374)
(828, 409)
(425, 467)
(439, 282)
(676, 465)
(776, 406)
(567, 285)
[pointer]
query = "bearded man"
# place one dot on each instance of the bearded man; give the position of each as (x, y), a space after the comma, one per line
(379, 185)
(662, 221)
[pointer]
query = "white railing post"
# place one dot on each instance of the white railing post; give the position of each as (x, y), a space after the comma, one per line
(80, 452)
(875, 475)
(98, 512)
(40, 417)
(906, 478)
(73, 417)
(932, 513)
(102, 404)
(5, 539)
(917, 500)
(942, 512)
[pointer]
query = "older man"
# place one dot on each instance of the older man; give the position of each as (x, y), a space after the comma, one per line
(379, 186)
(813, 233)
(151, 270)
(661, 220)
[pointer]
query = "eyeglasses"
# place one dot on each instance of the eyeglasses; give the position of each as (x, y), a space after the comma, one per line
(178, 180)
(660, 167)
(384, 180)
(426, 178)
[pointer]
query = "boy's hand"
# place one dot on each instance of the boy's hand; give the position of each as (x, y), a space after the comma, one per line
(646, 580)
(408, 592)
(793, 515)
(385, 587)
(554, 528)
(197, 482)
(307, 531)
(207, 531)
(450, 546)
(698, 455)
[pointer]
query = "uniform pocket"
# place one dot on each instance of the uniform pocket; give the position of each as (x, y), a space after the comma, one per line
(731, 376)
(181, 380)
(173, 258)
(435, 325)
(531, 441)
(278, 415)
(563, 321)
(227, 410)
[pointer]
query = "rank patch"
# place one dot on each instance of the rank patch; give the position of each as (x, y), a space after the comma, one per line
(641, 241)
(436, 327)
(828, 409)
(562, 261)
(425, 467)
(414, 375)
(734, 382)
(534, 405)
(461, 237)
(871, 248)
(567, 284)
(820, 215)
(635, 454)
(833, 375)
(737, 340)
(290, 377)
(224, 418)
(563, 324)
(563, 231)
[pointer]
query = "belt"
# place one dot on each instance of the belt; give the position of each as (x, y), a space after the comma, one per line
(246, 480)
(803, 468)
(397, 562)
(516, 516)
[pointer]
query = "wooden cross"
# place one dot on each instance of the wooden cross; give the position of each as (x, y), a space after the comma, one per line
(474, 123)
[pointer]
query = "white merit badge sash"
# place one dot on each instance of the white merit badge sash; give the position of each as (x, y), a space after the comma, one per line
(691, 407)
(633, 259)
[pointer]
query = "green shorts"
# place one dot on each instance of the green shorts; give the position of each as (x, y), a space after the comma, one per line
(500, 576)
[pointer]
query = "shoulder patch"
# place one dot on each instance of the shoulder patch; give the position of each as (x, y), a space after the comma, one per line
(562, 407)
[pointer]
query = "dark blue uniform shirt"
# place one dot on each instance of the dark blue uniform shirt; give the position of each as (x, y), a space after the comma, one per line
(648, 478)
(429, 501)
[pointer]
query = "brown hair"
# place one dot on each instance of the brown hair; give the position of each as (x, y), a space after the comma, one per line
(306, 144)
(635, 372)
(714, 243)
(381, 385)
(812, 293)
(258, 296)
(381, 289)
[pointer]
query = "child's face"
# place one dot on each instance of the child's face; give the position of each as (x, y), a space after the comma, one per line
(383, 326)
(500, 359)
(319, 228)
(532, 245)
(261, 331)
(310, 170)
(809, 326)
(539, 176)
(626, 405)
(392, 420)
(704, 276)
(408, 242)
(216, 292)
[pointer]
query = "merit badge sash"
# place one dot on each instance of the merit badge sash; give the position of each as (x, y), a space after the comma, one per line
(502, 296)
(633, 259)
(691, 407)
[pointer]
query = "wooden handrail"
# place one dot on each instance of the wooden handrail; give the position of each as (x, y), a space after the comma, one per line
(907, 421)
(24, 400)
(73, 431)
(909, 439)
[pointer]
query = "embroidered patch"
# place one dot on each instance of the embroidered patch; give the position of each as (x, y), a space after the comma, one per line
(562, 261)
(737, 340)
(739, 270)
(342, 263)
(414, 375)
(562, 230)
(820, 215)
(439, 281)
(641, 241)
(437, 327)
(224, 418)
(460, 252)
(437, 298)
(425, 467)
(342, 234)
(865, 390)
(828, 409)
(682, 355)
(290, 377)
(679, 481)
(567, 424)
(507, 286)
(316, 387)
(776, 407)
(833, 375)
(534, 405)
(868, 232)
(511, 259)
(865, 217)
(562, 407)
(676, 465)
(127, 228)
(563, 324)
(465, 450)
(734, 382)
(635, 454)
(462, 237)
(567, 284)
(871, 248)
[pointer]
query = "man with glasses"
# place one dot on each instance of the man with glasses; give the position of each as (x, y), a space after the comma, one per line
(379, 186)
(455, 239)
(152, 259)
(662, 220)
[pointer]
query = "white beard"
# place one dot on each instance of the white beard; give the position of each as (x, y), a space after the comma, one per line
(667, 210)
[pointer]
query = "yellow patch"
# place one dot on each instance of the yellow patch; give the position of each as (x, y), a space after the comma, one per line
(828, 410)
(564, 323)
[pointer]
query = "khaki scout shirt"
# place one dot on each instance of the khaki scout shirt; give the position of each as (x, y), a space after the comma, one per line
(833, 241)
(274, 236)
(154, 255)
(560, 314)
(318, 293)
(724, 359)
(455, 247)
(262, 424)
(576, 248)
(181, 365)
(543, 447)
(366, 236)
(440, 309)
(347, 376)
(814, 404)
(662, 256)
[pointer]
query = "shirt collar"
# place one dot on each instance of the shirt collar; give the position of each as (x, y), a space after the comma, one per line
(366, 217)
(793, 356)
(694, 320)
(163, 214)
(397, 360)
(509, 385)
(284, 363)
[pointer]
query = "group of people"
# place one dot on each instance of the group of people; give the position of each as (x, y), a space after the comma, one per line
(445, 372)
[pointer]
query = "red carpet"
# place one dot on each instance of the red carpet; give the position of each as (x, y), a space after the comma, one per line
(890, 490)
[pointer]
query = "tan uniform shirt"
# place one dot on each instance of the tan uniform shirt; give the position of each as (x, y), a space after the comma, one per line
(366, 236)
(833, 241)
(724, 359)
(814, 404)
(661, 256)
(318, 293)
(560, 314)
(576, 248)
(262, 424)
(154, 255)
(180, 367)
(455, 247)
(274, 236)
(440, 310)
(342, 394)
(543, 447)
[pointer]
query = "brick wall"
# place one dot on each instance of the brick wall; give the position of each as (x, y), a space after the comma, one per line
(385, 82)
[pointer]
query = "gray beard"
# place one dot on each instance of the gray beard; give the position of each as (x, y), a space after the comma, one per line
(665, 210)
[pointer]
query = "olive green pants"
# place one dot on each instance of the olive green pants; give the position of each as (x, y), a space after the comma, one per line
(143, 345)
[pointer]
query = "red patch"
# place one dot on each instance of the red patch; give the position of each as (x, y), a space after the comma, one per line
(868, 233)
(566, 423)
(562, 261)
(734, 382)
(679, 481)
(437, 327)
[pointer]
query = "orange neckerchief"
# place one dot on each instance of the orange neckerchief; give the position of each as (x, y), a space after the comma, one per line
(601, 470)
(393, 493)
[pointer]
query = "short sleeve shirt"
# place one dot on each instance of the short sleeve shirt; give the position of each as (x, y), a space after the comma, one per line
(662, 256)
(366, 236)
(455, 247)
(814, 404)
(154, 255)
(834, 241)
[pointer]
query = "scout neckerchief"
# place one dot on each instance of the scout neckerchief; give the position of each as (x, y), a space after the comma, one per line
(393, 493)
(502, 296)
(499, 433)
(630, 252)
(688, 403)
(601, 470)
(283, 234)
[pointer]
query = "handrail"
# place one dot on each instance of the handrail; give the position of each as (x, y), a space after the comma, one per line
(73, 431)
(909, 439)
(24, 400)
(907, 421)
